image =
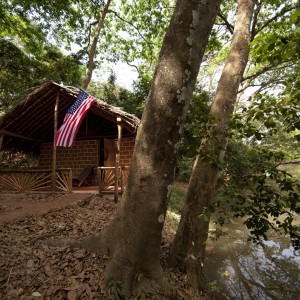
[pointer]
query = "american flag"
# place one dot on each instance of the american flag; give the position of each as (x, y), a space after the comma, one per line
(66, 134)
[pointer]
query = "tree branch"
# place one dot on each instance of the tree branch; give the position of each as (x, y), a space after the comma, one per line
(279, 14)
(133, 66)
(229, 26)
(295, 162)
(255, 18)
(136, 28)
(267, 68)
(92, 52)
(261, 85)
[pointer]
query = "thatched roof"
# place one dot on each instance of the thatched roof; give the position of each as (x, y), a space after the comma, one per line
(31, 122)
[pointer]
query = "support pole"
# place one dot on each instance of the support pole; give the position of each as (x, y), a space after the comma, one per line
(53, 184)
(1, 141)
(119, 124)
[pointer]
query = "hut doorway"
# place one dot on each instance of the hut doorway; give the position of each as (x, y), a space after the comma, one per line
(109, 153)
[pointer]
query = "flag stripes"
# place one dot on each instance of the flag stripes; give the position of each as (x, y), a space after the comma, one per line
(66, 135)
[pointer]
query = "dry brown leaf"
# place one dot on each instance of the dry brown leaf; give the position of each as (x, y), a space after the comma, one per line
(30, 263)
(40, 254)
(78, 267)
(72, 288)
(88, 292)
(48, 270)
(11, 291)
(80, 253)
(81, 275)
(72, 295)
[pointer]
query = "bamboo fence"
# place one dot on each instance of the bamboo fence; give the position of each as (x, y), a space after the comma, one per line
(23, 181)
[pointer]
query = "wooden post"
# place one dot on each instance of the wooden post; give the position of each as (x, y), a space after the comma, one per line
(70, 180)
(54, 144)
(1, 141)
(99, 180)
(119, 124)
(122, 180)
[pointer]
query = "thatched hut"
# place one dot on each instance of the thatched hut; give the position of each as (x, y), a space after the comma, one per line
(29, 127)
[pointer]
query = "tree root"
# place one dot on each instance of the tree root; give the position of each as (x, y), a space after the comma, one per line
(92, 243)
(162, 288)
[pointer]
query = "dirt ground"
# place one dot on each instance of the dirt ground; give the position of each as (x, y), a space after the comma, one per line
(29, 269)
(14, 207)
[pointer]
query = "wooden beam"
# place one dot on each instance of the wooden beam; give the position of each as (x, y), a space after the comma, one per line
(119, 124)
(53, 180)
(20, 136)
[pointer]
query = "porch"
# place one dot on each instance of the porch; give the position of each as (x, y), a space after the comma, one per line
(44, 180)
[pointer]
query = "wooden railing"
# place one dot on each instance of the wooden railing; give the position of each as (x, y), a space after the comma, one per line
(107, 177)
(24, 181)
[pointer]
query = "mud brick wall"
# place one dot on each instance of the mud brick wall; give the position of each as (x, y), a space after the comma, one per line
(81, 155)
(126, 148)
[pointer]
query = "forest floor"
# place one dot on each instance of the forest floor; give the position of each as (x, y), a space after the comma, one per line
(29, 269)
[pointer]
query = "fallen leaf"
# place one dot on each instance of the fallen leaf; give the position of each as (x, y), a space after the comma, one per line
(72, 288)
(48, 271)
(40, 255)
(36, 294)
(78, 267)
(72, 295)
(30, 263)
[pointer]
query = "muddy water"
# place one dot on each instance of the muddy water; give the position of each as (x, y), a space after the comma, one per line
(239, 269)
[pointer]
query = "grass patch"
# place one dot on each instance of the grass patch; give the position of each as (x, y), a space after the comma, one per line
(177, 200)
(175, 207)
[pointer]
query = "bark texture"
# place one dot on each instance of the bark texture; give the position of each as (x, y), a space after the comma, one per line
(134, 236)
(188, 248)
(90, 65)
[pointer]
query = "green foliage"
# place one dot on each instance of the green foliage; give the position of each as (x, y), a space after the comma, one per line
(117, 96)
(175, 206)
(293, 169)
(114, 289)
(254, 189)
(21, 71)
(194, 130)
(141, 88)
(10, 160)
(55, 19)
(136, 30)
(132, 30)
(280, 40)
(184, 168)
(274, 57)
(15, 72)
(195, 126)
(269, 114)
(177, 199)
(131, 102)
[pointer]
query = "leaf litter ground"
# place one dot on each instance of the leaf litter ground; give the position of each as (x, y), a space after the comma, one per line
(29, 269)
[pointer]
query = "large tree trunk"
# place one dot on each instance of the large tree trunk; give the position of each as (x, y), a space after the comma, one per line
(134, 236)
(90, 65)
(188, 248)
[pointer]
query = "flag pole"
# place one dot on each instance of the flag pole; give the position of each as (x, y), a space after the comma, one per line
(119, 124)
(54, 144)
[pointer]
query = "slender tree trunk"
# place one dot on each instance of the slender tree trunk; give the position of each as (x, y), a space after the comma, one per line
(188, 248)
(134, 236)
(90, 65)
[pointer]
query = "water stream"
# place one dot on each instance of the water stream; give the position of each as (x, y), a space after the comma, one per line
(239, 269)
